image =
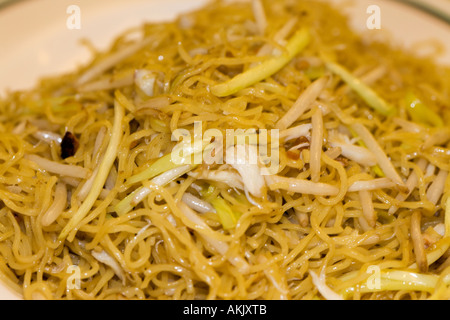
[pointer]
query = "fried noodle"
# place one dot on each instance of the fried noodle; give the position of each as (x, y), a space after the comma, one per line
(358, 207)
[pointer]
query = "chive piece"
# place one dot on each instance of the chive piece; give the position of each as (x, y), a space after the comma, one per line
(161, 165)
(364, 91)
(419, 112)
(227, 216)
(169, 161)
(130, 201)
(265, 69)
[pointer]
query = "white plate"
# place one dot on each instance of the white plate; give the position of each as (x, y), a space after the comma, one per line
(36, 41)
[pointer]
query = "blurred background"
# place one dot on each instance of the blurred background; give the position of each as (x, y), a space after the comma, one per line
(36, 40)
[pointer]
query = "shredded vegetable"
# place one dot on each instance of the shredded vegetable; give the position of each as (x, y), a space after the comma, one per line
(266, 69)
(366, 93)
(227, 216)
(102, 174)
(420, 113)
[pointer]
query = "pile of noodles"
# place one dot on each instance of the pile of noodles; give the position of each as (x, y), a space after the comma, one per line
(93, 207)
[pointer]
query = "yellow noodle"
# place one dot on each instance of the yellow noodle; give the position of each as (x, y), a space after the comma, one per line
(320, 226)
